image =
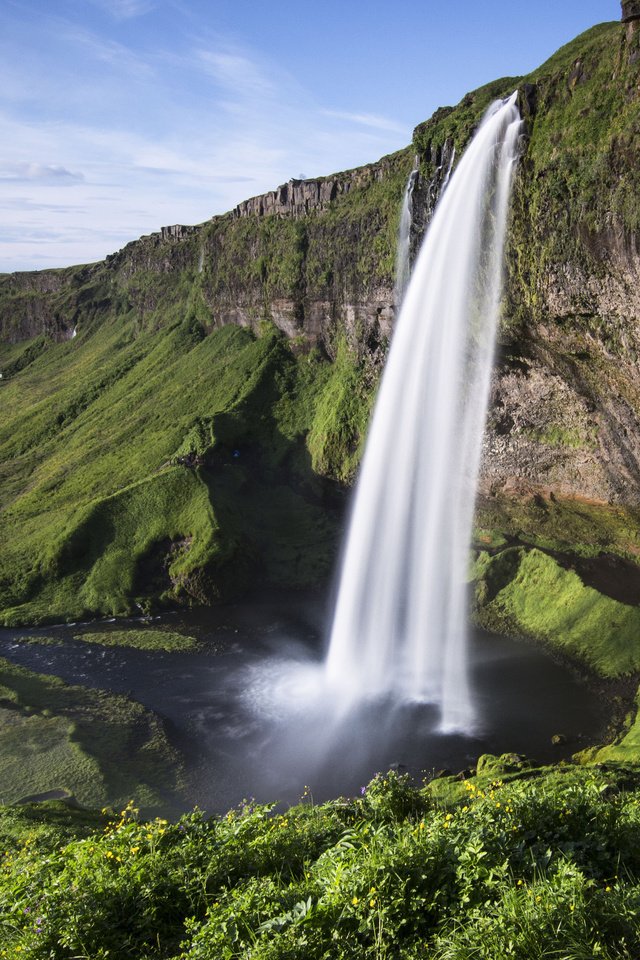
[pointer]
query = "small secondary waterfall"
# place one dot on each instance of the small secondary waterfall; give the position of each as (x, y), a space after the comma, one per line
(399, 625)
(403, 266)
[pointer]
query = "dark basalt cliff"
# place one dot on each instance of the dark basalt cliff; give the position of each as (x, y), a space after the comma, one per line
(306, 272)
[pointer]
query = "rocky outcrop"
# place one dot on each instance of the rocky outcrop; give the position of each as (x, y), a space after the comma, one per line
(630, 10)
(41, 302)
(297, 198)
(176, 232)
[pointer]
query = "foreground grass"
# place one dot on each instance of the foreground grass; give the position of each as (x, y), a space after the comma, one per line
(527, 864)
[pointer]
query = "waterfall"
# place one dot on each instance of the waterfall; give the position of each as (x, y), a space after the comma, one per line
(399, 624)
(403, 266)
(448, 173)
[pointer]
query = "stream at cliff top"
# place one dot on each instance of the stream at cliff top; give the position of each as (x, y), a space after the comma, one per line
(246, 713)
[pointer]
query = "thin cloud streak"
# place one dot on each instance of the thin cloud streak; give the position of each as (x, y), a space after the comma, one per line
(125, 9)
(366, 120)
(17, 172)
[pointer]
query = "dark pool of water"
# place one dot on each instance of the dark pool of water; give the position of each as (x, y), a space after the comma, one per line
(247, 713)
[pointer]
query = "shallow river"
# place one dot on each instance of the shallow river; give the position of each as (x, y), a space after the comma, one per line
(253, 722)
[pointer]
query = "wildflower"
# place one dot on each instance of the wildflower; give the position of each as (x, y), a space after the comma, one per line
(607, 889)
(355, 901)
(372, 902)
(422, 824)
(134, 849)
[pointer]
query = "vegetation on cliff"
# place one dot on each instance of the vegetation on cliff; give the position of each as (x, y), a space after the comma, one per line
(164, 465)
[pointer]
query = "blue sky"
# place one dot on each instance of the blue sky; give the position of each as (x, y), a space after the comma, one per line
(120, 116)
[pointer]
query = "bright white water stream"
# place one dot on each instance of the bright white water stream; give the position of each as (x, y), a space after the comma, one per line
(403, 266)
(399, 627)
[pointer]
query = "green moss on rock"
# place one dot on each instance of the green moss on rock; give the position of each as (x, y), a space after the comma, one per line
(529, 593)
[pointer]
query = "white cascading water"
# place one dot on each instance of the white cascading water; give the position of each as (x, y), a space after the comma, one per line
(399, 626)
(403, 266)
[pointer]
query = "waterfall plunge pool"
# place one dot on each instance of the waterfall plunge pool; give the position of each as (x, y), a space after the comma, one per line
(251, 716)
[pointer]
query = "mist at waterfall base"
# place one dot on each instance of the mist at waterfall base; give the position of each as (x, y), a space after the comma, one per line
(245, 711)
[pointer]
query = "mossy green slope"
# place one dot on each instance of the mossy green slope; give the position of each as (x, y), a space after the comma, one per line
(527, 592)
(119, 476)
(98, 747)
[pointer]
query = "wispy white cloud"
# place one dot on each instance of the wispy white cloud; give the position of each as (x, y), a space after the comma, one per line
(236, 73)
(366, 120)
(150, 135)
(47, 172)
(27, 204)
(107, 51)
(125, 9)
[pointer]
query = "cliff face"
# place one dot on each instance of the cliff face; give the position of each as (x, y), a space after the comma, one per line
(316, 257)
(566, 388)
(264, 331)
